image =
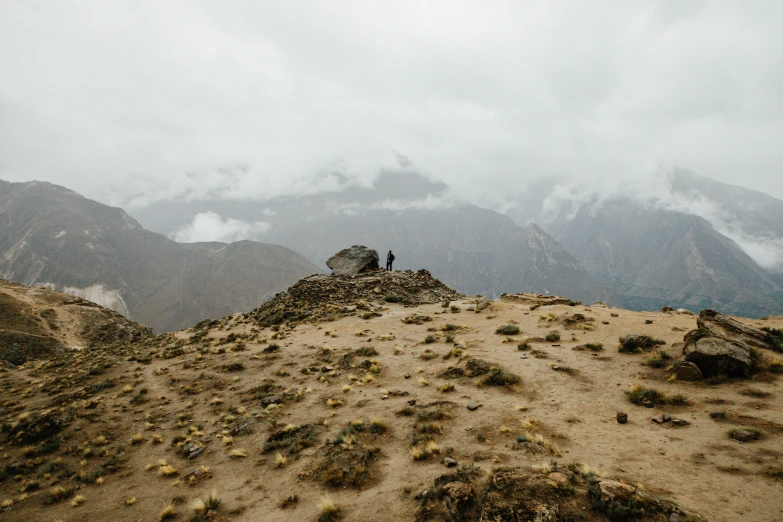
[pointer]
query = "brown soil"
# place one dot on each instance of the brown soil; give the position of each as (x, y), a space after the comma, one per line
(225, 403)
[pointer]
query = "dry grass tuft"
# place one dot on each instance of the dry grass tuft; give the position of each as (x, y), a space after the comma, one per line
(167, 512)
(237, 454)
(78, 500)
(280, 459)
(329, 511)
(167, 470)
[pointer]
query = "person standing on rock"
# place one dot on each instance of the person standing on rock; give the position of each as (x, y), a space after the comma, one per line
(389, 260)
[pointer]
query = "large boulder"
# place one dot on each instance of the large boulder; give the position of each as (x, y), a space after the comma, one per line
(717, 356)
(352, 261)
(722, 346)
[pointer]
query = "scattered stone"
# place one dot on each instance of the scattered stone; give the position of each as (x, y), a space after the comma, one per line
(622, 417)
(407, 375)
(449, 462)
(648, 321)
(614, 314)
(271, 399)
(680, 423)
(662, 418)
(412, 402)
(555, 367)
(687, 371)
(717, 415)
(353, 261)
(744, 435)
(472, 406)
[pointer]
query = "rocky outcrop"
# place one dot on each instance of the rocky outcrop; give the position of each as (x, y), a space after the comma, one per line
(722, 346)
(353, 261)
(325, 298)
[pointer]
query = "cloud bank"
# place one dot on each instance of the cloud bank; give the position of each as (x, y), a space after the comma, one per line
(210, 226)
(141, 101)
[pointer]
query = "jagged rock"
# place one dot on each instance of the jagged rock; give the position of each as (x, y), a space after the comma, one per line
(724, 326)
(687, 371)
(449, 462)
(353, 261)
(723, 346)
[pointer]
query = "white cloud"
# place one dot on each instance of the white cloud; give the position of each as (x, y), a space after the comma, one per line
(210, 226)
(193, 99)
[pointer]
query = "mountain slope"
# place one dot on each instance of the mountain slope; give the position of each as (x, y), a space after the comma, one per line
(655, 257)
(471, 249)
(53, 236)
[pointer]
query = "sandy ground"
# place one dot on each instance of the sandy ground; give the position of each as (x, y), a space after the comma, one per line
(697, 466)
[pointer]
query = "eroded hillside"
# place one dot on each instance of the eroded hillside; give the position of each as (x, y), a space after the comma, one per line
(389, 397)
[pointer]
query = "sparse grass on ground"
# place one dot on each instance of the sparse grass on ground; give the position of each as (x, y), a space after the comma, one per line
(641, 395)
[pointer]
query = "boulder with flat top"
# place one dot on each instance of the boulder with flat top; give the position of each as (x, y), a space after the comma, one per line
(353, 261)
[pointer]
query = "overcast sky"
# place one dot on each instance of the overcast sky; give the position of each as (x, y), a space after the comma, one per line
(253, 99)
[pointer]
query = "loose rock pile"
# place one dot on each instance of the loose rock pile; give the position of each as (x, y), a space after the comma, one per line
(326, 298)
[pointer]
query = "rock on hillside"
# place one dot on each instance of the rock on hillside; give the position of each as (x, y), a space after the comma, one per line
(54, 237)
(35, 323)
(353, 261)
(722, 346)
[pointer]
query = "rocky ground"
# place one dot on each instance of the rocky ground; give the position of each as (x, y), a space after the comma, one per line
(387, 396)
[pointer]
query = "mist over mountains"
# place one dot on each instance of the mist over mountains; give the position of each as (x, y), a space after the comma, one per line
(53, 237)
(682, 240)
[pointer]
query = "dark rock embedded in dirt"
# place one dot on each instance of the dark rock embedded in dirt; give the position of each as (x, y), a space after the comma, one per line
(353, 261)
(622, 418)
(744, 435)
(449, 462)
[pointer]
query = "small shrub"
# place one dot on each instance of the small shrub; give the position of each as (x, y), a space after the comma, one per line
(499, 377)
(167, 512)
(167, 470)
(377, 427)
(271, 348)
(235, 367)
(291, 500)
(774, 338)
(394, 298)
(508, 329)
(445, 388)
(552, 337)
(58, 494)
(329, 511)
(430, 339)
(366, 351)
(524, 345)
